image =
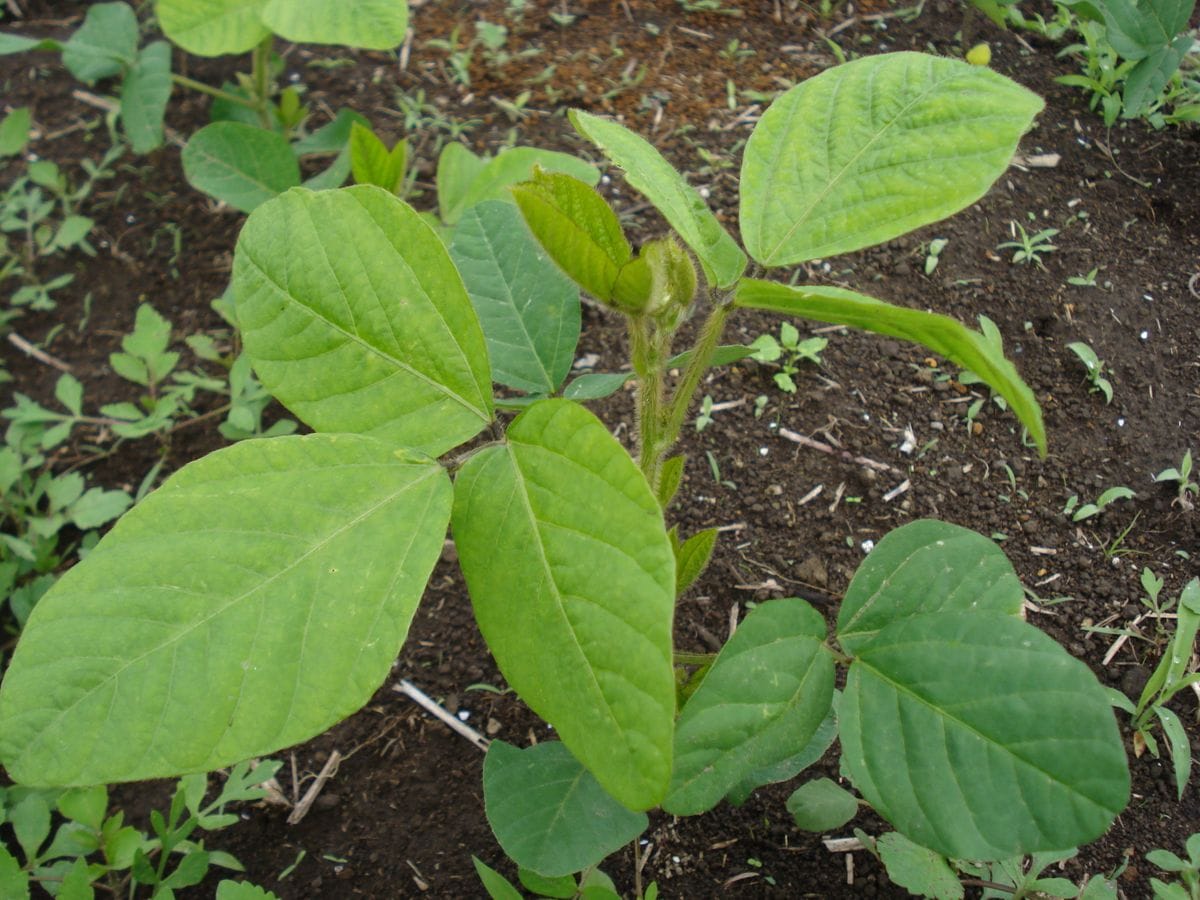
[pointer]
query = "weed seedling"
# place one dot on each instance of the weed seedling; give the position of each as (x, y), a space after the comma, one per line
(1087, 510)
(787, 353)
(933, 252)
(1181, 475)
(1029, 248)
(1095, 366)
(1186, 870)
(1088, 280)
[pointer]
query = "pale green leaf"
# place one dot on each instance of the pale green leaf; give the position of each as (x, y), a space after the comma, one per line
(98, 506)
(821, 805)
(923, 567)
(765, 696)
(1179, 748)
(577, 228)
(548, 812)
(535, 520)
(256, 598)
(595, 385)
(15, 43)
(918, 869)
(980, 737)
(77, 882)
(104, 44)
(941, 334)
(85, 805)
(240, 164)
(360, 24)
(872, 149)
(457, 169)
(14, 882)
(357, 320)
(69, 392)
(516, 164)
(144, 96)
(528, 309)
(333, 136)
(648, 172)
(213, 27)
(373, 163)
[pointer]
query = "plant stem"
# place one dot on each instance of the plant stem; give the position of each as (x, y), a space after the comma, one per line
(693, 659)
(648, 364)
(260, 74)
(702, 352)
(203, 88)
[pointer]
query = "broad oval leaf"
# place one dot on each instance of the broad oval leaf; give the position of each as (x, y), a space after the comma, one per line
(764, 698)
(872, 149)
(978, 736)
(572, 579)
(212, 27)
(548, 812)
(648, 172)
(789, 768)
(457, 168)
(357, 320)
(361, 24)
(256, 598)
(923, 567)
(941, 334)
(242, 165)
(529, 309)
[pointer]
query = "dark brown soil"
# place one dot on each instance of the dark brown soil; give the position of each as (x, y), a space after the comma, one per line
(403, 815)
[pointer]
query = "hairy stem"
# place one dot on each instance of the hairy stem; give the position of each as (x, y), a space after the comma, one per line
(648, 364)
(702, 352)
(261, 77)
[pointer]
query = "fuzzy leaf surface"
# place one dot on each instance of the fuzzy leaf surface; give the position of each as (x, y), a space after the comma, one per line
(649, 173)
(357, 320)
(941, 334)
(104, 44)
(548, 812)
(256, 598)
(516, 164)
(528, 308)
(923, 567)
(361, 24)
(981, 738)
(766, 694)
(212, 27)
(242, 165)
(872, 149)
(536, 521)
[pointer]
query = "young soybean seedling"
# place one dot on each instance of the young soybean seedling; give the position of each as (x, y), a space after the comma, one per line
(282, 574)
(1095, 369)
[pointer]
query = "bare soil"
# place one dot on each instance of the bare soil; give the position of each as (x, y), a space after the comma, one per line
(404, 814)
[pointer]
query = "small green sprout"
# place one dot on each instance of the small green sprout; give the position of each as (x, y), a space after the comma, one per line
(1088, 280)
(1095, 369)
(1086, 511)
(1029, 247)
(936, 246)
(1182, 476)
(788, 352)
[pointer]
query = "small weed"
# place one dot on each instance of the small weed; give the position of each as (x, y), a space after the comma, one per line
(1030, 248)
(933, 252)
(1087, 510)
(1181, 475)
(1095, 366)
(716, 7)
(1088, 280)
(787, 353)
(1187, 870)
(704, 419)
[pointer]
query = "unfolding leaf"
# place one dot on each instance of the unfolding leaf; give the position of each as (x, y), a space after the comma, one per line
(548, 812)
(256, 598)
(765, 696)
(535, 520)
(981, 738)
(242, 165)
(577, 228)
(941, 334)
(373, 163)
(528, 309)
(516, 164)
(648, 172)
(357, 320)
(923, 567)
(872, 149)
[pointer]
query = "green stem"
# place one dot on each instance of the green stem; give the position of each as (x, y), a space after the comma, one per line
(260, 74)
(648, 364)
(702, 352)
(693, 659)
(203, 88)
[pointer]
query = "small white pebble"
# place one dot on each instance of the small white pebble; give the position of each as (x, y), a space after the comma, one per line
(763, 451)
(704, 192)
(463, 715)
(1144, 335)
(130, 219)
(867, 546)
(1121, 422)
